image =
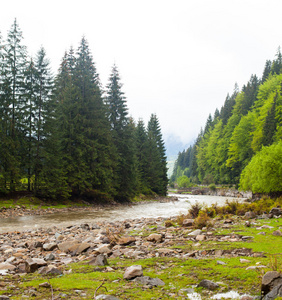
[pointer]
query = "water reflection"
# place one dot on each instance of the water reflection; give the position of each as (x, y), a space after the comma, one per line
(146, 210)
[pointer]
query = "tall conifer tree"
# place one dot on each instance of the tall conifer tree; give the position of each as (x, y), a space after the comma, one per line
(122, 132)
(11, 105)
(157, 157)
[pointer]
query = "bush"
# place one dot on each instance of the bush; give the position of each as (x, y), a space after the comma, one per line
(183, 181)
(212, 187)
(195, 210)
(203, 220)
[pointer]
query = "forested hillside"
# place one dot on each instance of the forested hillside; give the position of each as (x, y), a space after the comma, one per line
(64, 135)
(241, 143)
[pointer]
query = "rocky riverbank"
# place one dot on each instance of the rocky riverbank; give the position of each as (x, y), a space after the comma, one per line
(32, 261)
(15, 210)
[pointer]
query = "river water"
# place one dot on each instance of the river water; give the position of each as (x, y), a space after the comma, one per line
(146, 210)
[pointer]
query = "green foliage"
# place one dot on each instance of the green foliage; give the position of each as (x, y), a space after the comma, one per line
(249, 119)
(264, 172)
(183, 181)
(64, 138)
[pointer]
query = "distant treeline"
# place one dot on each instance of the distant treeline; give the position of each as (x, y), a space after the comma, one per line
(241, 143)
(64, 135)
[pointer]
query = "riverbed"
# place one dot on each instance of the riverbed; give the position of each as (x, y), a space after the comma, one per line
(134, 211)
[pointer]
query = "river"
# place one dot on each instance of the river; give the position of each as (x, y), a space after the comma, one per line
(136, 211)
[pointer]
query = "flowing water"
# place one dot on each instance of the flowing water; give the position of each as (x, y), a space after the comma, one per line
(146, 210)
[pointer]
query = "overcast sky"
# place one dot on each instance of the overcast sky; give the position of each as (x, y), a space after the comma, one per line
(177, 58)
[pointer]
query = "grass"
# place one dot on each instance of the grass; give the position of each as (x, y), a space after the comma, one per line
(177, 273)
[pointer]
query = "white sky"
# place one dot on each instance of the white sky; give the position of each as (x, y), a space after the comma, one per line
(177, 58)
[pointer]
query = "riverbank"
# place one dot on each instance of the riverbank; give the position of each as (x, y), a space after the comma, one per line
(173, 258)
(31, 206)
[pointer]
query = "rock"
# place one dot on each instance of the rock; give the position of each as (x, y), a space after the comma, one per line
(155, 237)
(249, 215)
(165, 251)
(188, 222)
(103, 249)
(50, 256)
(73, 246)
(65, 246)
(126, 240)
(219, 262)
(276, 211)
(277, 233)
(208, 284)
(146, 280)
(99, 260)
(195, 232)
(6, 266)
(49, 270)
(132, 272)
(274, 293)
(244, 261)
(49, 246)
(3, 297)
(270, 280)
(45, 285)
(32, 264)
(200, 237)
(106, 297)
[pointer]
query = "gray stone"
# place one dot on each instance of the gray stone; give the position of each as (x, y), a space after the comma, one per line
(195, 232)
(132, 272)
(208, 284)
(274, 293)
(106, 297)
(270, 280)
(99, 260)
(3, 297)
(32, 264)
(49, 270)
(277, 233)
(250, 215)
(49, 246)
(146, 280)
(276, 211)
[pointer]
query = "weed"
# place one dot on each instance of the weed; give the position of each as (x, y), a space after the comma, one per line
(195, 210)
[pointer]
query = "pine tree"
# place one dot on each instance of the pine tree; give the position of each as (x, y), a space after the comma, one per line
(85, 130)
(266, 71)
(141, 141)
(122, 133)
(14, 65)
(157, 169)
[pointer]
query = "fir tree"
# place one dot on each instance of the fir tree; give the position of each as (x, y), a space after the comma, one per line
(14, 64)
(157, 169)
(122, 133)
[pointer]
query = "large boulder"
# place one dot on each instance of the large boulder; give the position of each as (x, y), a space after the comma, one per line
(208, 284)
(276, 211)
(133, 272)
(270, 280)
(32, 264)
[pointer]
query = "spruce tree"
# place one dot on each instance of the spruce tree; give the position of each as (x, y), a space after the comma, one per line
(141, 141)
(122, 132)
(157, 169)
(85, 130)
(14, 64)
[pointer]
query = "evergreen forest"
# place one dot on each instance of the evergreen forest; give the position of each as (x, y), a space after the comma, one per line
(66, 136)
(241, 144)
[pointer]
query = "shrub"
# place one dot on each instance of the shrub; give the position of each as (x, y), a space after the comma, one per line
(195, 210)
(203, 220)
(212, 187)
